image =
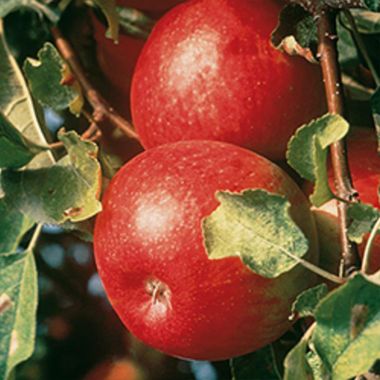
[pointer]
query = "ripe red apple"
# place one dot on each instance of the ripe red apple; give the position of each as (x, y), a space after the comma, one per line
(150, 253)
(365, 170)
(209, 71)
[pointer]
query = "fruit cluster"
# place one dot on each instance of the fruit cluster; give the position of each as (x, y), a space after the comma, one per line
(212, 101)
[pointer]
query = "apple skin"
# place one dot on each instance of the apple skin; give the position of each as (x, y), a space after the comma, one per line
(209, 72)
(148, 239)
(365, 170)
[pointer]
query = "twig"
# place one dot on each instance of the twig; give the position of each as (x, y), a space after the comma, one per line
(102, 110)
(333, 88)
(368, 248)
(359, 40)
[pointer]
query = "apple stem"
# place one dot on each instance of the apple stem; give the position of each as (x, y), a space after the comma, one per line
(368, 247)
(361, 45)
(334, 94)
(102, 110)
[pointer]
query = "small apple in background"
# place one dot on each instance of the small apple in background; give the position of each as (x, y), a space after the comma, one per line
(116, 370)
(117, 62)
(208, 71)
(151, 258)
(365, 170)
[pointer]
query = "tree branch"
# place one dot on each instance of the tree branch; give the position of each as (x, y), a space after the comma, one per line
(102, 110)
(334, 95)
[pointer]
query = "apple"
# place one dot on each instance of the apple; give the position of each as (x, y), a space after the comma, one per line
(151, 258)
(209, 71)
(116, 370)
(365, 170)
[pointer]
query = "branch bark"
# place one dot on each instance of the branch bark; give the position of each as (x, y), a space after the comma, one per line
(102, 110)
(334, 95)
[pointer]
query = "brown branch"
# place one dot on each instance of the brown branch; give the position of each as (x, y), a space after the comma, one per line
(102, 110)
(334, 95)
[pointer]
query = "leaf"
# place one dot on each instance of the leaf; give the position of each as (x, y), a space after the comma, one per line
(307, 301)
(373, 5)
(8, 6)
(51, 81)
(366, 22)
(13, 226)
(257, 365)
(363, 217)
(348, 53)
(256, 226)
(296, 33)
(18, 306)
(67, 191)
(296, 365)
(108, 7)
(134, 22)
(347, 335)
(15, 150)
(375, 105)
(16, 103)
(308, 151)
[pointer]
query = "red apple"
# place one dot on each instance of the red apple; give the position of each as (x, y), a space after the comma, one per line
(151, 257)
(209, 71)
(365, 170)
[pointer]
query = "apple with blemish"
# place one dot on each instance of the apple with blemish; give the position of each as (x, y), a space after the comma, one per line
(151, 257)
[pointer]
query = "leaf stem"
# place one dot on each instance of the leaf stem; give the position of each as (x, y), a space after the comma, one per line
(361, 45)
(333, 87)
(368, 248)
(315, 269)
(35, 236)
(102, 110)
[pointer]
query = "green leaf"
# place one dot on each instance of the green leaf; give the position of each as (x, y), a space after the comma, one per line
(16, 103)
(348, 53)
(67, 191)
(13, 226)
(347, 335)
(308, 300)
(108, 7)
(373, 5)
(51, 81)
(363, 217)
(296, 33)
(257, 365)
(296, 365)
(110, 163)
(256, 226)
(375, 105)
(134, 22)
(41, 7)
(366, 22)
(308, 151)
(15, 150)
(18, 305)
